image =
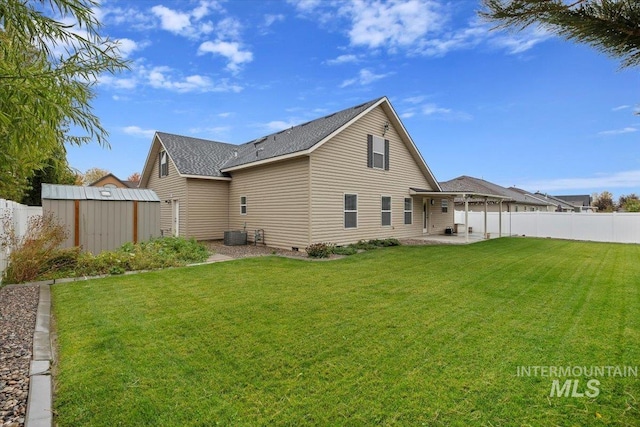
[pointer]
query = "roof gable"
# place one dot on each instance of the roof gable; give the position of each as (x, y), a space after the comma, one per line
(297, 138)
(194, 157)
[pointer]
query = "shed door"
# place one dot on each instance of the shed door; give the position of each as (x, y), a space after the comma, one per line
(175, 217)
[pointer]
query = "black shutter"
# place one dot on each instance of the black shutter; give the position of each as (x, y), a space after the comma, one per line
(386, 154)
(369, 151)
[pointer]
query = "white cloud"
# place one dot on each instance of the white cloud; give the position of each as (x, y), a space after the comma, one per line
(171, 20)
(127, 46)
(230, 50)
(109, 80)
(624, 179)
(161, 78)
(414, 99)
(437, 112)
(139, 132)
(190, 23)
(407, 114)
(364, 78)
(621, 107)
(271, 19)
(522, 41)
(431, 109)
(392, 24)
(627, 129)
(278, 125)
(225, 114)
(343, 59)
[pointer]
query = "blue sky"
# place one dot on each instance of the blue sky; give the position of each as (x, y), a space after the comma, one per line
(525, 109)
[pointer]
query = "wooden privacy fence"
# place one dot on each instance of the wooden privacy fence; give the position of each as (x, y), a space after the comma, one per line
(102, 219)
(16, 216)
(597, 227)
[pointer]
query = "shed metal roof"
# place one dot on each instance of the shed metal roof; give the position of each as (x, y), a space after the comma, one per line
(73, 192)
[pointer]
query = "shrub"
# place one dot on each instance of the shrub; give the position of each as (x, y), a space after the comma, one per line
(319, 250)
(34, 255)
(345, 250)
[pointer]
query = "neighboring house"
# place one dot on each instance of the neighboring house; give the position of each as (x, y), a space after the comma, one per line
(583, 201)
(112, 181)
(341, 178)
(513, 199)
(562, 205)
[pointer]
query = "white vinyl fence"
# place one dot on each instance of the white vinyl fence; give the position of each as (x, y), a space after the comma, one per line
(16, 215)
(598, 227)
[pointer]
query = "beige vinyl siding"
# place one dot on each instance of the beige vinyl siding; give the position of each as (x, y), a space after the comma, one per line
(439, 221)
(208, 208)
(277, 201)
(340, 167)
(169, 187)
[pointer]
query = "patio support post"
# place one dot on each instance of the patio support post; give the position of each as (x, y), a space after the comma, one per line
(500, 218)
(466, 219)
(485, 217)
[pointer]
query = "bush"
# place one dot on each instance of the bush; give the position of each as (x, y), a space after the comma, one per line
(319, 250)
(36, 254)
(345, 250)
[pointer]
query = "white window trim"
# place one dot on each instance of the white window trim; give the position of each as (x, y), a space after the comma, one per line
(404, 220)
(243, 205)
(374, 152)
(445, 206)
(344, 211)
(382, 211)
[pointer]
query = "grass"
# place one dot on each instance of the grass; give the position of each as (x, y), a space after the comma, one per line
(427, 335)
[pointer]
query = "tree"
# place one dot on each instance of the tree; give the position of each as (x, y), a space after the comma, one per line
(47, 72)
(610, 26)
(55, 171)
(93, 174)
(604, 202)
(630, 203)
(134, 177)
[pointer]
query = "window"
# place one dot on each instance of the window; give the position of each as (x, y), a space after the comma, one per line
(445, 205)
(377, 152)
(243, 205)
(408, 210)
(386, 211)
(164, 164)
(350, 211)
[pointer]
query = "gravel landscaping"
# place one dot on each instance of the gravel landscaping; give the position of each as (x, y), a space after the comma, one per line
(18, 308)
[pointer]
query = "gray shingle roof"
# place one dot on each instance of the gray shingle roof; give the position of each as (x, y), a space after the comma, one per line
(476, 185)
(298, 138)
(195, 156)
(201, 157)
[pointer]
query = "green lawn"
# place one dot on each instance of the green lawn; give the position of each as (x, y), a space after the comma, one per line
(428, 335)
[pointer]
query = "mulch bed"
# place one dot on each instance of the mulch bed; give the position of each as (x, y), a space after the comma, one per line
(18, 308)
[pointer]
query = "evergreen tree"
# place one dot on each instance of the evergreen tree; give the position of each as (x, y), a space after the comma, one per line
(610, 26)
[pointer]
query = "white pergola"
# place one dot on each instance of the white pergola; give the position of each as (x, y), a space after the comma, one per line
(466, 196)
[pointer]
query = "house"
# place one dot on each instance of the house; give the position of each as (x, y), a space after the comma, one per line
(581, 201)
(340, 178)
(512, 199)
(562, 205)
(112, 181)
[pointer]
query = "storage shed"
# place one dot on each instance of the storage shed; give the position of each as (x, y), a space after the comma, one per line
(102, 219)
